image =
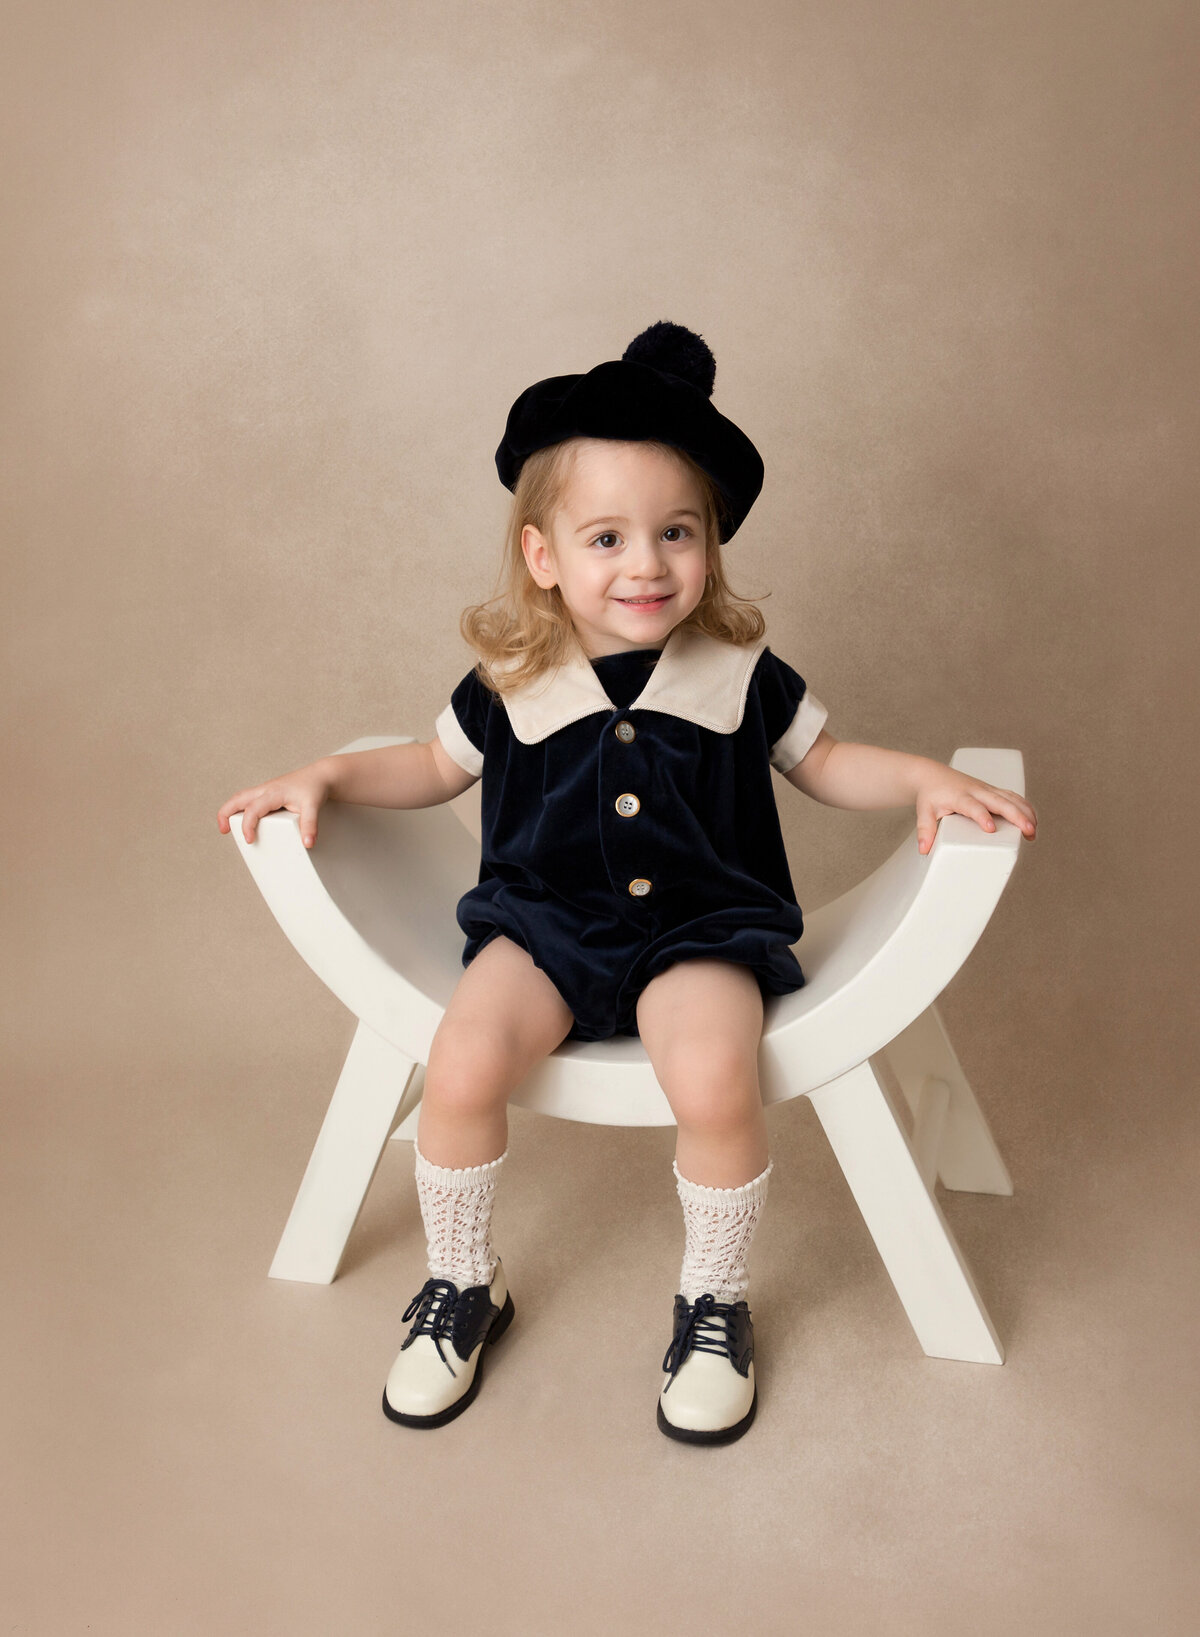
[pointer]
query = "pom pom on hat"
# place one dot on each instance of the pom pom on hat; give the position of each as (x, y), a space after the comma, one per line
(676, 350)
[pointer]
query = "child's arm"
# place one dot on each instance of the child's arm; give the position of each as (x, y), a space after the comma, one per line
(867, 776)
(392, 776)
(396, 776)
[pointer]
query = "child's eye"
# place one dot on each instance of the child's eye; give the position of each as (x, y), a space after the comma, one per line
(677, 529)
(605, 539)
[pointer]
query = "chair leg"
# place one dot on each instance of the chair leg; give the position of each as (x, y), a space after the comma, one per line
(923, 1060)
(376, 1084)
(912, 1236)
(406, 1131)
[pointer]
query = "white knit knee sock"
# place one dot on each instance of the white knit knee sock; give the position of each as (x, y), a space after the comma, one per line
(719, 1224)
(456, 1208)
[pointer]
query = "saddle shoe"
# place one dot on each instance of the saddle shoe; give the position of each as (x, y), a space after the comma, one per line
(709, 1396)
(439, 1367)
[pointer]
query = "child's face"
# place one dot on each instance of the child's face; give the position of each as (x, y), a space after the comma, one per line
(626, 547)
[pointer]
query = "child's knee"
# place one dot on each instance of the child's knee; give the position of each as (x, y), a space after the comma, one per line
(713, 1099)
(471, 1067)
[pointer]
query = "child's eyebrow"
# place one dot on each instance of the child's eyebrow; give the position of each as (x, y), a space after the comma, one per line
(676, 511)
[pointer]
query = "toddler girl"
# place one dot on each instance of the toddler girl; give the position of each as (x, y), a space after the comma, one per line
(624, 715)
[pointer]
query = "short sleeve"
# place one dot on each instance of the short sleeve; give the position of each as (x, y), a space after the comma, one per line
(462, 726)
(793, 716)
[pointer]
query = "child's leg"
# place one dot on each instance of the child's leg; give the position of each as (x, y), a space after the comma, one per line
(701, 1023)
(504, 1016)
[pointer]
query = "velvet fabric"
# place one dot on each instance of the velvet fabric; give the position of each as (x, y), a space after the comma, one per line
(558, 857)
(635, 401)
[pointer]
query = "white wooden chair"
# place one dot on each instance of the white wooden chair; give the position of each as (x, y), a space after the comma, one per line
(371, 909)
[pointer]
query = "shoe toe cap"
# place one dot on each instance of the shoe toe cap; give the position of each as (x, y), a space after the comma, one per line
(419, 1383)
(707, 1394)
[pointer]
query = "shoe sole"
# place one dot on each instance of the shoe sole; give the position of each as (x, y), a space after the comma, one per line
(718, 1435)
(460, 1404)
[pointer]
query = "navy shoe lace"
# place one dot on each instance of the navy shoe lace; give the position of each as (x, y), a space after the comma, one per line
(704, 1330)
(433, 1306)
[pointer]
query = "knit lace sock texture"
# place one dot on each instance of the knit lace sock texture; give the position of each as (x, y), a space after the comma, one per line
(456, 1208)
(719, 1224)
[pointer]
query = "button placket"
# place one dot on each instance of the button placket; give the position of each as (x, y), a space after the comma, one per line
(623, 764)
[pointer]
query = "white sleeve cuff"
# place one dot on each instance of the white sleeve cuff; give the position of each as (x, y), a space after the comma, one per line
(456, 744)
(800, 737)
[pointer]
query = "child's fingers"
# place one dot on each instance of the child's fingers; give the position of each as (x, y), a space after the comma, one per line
(926, 827)
(1014, 808)
(228, 808)
(236, 804)
(967, 800)
(975, 807)
(271, 798)
(225, 813)
(258, 807)
(977, 802)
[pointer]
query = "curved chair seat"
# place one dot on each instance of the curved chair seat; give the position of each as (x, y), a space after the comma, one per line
(372, 910)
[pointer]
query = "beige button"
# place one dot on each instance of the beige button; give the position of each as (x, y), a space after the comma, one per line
(625, 732)
(640, 887)
(628, 805)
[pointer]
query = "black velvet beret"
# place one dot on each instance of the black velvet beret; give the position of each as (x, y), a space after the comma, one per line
(660, 388)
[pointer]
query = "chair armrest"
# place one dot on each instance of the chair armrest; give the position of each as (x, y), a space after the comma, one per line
(876, 957)
(371, 908)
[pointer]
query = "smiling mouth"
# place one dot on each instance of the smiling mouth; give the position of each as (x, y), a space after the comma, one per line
(642, 602)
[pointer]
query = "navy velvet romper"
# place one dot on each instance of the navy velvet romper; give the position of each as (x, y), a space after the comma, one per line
(629, 818)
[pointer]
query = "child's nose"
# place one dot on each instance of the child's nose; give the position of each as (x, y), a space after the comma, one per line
(646, 560)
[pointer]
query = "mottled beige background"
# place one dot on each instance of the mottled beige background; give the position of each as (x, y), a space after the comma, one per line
(273, 275)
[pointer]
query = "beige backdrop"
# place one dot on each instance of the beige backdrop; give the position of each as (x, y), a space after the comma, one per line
(275, 273)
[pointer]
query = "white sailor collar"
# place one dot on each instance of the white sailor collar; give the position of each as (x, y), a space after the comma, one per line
(697, 677)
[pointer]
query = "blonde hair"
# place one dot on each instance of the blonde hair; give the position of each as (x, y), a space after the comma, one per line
(527, 630)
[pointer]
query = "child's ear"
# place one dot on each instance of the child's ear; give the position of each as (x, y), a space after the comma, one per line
(538, 558)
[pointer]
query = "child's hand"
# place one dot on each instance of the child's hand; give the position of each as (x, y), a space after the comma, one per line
(301, 792)
(945, 791)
